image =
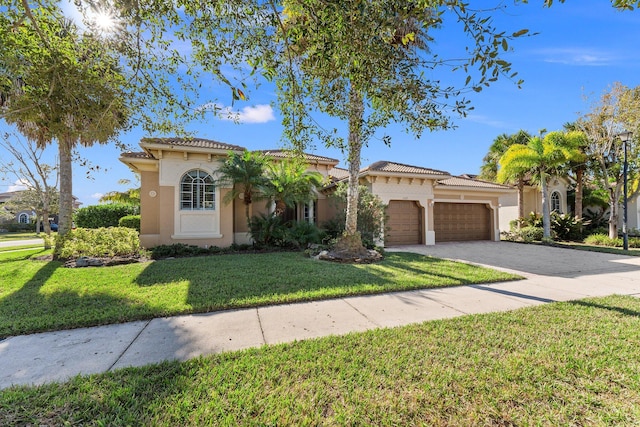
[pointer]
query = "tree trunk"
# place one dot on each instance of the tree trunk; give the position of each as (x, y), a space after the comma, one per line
(520, 201)
(355, 147)
(66, 187)
(578, 207)
(350, 243)
(546, 213)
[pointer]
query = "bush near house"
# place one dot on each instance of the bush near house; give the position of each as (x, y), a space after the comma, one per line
(16, 227)
(130, 221)
(98, 242)
(270, 230)
(604, 240)
(103, 215)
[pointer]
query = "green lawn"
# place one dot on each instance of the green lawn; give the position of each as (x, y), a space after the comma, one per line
(42, 296)
(19, 236)
(574, 363)
(17, 248)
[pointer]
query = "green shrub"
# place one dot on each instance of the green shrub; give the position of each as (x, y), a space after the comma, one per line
(301, 234)
(98, 216)
(178, 250)
(566, 227)
(18, 227)
(603, 240)
(525, 234)
(99, 242)
(269, 230)
(130, 221)
(371, 214)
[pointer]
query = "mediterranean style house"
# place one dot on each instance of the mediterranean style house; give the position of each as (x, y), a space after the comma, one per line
(180, 202)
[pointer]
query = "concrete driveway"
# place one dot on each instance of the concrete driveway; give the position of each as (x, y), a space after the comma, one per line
(534, 260)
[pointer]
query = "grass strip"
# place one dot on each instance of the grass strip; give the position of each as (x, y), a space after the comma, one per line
(570, 363)
(43, 296)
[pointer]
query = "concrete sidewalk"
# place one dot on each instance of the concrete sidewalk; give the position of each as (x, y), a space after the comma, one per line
(57, 356)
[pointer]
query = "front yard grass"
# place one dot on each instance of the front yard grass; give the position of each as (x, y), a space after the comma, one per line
(40, 296)
(20, 236)
(571, 363)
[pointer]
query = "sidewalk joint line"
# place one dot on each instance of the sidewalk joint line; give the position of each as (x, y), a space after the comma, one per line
(129, 346)
(361, 313)
(264, 340)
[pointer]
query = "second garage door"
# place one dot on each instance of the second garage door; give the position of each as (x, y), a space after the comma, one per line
(404, 223)
(457, 222)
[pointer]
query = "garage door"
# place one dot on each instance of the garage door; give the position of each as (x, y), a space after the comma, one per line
(404, 223)
(455, 222)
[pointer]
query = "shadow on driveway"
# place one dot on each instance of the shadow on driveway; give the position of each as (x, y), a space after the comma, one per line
(532, 259)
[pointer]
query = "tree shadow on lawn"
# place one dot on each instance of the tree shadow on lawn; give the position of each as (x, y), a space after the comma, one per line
(236, 281)
(28, 310)
(618, 308)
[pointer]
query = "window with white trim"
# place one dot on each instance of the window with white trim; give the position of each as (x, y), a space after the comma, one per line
(556, 206)
(197, 191)
(23, 218)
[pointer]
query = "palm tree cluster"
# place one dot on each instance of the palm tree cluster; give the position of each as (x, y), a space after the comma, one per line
(256, 176)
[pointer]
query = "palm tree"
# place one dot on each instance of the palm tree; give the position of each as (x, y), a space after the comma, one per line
(577, 139)
(542, 158)
(246, 173)
(130, 196)
(491, 164)
(290, 183)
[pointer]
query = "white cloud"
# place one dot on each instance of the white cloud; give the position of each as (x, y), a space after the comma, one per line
(577, 56)
(19, 185)
(478, 118)
(261, 113)
(97, 195)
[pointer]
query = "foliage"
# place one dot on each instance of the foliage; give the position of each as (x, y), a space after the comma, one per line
(525, 234)
(130, 221)
(98, 242)
(371, 215)
(41, 295)
(23, 161)
(289, 183)
(270, 230)
(178, 250)
(58, 84)
(604, 240)
(245, 173)
(542, 158)
(130, 196)
(13, 227)
(98, 216)
(366, 62)
(566, 227)
(617, 110)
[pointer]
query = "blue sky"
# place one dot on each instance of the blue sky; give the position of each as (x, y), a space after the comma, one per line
(583, 46)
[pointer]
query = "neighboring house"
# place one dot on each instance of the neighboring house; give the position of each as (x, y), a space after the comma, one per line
(180, 202)
(633, 213)
(558, 188)
(27, 216)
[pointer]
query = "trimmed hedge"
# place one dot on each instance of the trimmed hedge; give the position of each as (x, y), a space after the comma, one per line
(130, 221)
(98, 242)
(97, 216)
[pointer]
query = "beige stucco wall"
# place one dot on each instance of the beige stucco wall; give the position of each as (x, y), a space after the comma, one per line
(400, 188)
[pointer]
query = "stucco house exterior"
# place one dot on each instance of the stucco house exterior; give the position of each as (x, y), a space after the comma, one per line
(180, 202)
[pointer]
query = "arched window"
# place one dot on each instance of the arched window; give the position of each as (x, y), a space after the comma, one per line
(23, 218)
(197, 191)
(555, 202)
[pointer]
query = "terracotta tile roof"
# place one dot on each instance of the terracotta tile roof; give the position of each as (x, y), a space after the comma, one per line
(461, 181)
(338, 174)
(281, 154)
(192, 142)
(137, 155)
(385, 166)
